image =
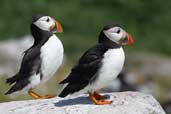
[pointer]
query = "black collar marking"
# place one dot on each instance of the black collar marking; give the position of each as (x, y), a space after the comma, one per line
(40, 36)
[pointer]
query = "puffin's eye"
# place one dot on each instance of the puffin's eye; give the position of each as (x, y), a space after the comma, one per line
(47, 20)
(118, 31)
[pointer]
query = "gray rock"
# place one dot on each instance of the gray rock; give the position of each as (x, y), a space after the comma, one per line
(123, 103)
(145, 63)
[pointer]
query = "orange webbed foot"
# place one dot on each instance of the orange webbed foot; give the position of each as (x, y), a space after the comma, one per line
(37, 96)
(98, 96)
(98, 99)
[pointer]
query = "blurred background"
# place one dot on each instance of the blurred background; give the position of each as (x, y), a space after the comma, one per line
(148, 61)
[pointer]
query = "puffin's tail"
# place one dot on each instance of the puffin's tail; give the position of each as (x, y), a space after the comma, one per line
(62, 95)
(11, 90)
(11, 80)
(64, 92)
(19, 85)
(71, 88)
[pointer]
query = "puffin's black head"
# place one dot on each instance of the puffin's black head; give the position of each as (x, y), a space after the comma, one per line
(46, 23)
(115, 34)
(36, 17)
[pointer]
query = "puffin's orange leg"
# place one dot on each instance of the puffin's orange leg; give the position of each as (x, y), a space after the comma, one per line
(37, 96)
(33, 94)
(98, 102)
(98, 96)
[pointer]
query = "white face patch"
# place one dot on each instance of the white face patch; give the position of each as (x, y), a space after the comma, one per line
(115, 34)
(44, 23)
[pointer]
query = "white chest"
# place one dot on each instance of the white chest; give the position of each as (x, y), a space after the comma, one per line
(112, 64)
(52, 56)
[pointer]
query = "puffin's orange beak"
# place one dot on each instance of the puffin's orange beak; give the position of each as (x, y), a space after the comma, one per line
(56, 27)
(130, 39)
(59, 26)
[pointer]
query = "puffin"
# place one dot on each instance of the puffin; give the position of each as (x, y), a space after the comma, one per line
(98, 66)
(41, 60)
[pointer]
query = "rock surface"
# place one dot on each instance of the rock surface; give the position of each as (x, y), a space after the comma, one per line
(144, 63)
(123, 103)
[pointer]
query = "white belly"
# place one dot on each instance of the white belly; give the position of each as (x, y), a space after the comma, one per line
(112, 64)
(52, 56)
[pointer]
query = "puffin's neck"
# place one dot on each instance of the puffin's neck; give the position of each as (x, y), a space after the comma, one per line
(107, 42)
(40, 36)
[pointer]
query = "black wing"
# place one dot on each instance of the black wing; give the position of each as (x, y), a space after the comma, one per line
(31, 63)
(84, 71)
